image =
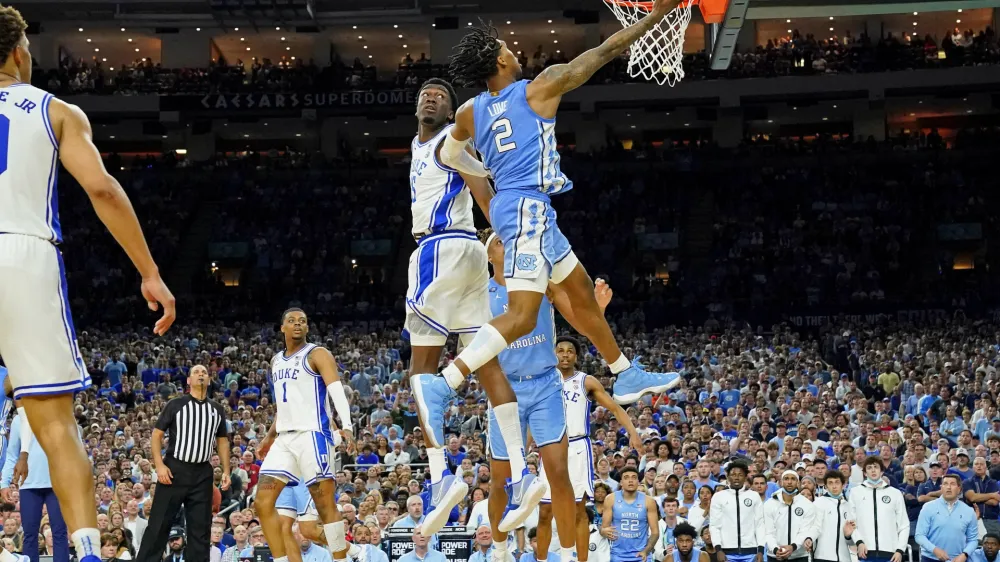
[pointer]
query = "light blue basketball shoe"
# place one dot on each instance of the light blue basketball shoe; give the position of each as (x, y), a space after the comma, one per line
(432, 393)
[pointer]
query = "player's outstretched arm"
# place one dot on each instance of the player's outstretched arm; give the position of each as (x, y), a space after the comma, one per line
(322, 362)
(600, 395)
(559, 79)
(453, 152)
(479, 186)
(82, 159)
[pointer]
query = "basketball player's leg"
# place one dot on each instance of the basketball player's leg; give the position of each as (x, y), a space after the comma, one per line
(547, 421)
(322, 492)
(582, 532)
(40, 350)
(292, 551)
(269, 487)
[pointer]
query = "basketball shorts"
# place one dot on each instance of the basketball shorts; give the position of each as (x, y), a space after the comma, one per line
(447, 292)
(535, 250)
(37, 338)
(581, 470)
(540, 408)
(295, 502)
(300, 457)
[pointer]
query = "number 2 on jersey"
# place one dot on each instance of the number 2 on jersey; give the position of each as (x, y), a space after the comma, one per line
(501, 136)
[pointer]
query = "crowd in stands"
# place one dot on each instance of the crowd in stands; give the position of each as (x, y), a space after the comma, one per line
(793, 55)
(792, 226)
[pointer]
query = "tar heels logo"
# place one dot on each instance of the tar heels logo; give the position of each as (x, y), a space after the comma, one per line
(748, 502)
(886, 499)
(526, 262)
(799, 511)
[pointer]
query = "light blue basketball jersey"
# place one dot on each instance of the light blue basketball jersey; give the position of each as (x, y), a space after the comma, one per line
(695, 555)
(518, 146)
(632, 527)
(535, 353)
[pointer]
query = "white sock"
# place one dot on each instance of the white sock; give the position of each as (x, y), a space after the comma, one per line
(87, 542)
(281, 559)
(619, 365)
(510, 429)
(435, 458)
(335, 536)
(567, 554)
(487, 344)
(500, 546)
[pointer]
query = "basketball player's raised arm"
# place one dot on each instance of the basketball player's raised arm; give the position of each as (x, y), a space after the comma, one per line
(322, 361)
(82, 159)
(453, 151)
(594, 388)
(559, 79)
(479, 186)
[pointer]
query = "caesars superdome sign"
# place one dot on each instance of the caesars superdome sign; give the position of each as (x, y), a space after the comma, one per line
(311, 100)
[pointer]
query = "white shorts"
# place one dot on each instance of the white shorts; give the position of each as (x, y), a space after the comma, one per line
(301, 457)
(447, 293)
(37, 338)
(581, 470)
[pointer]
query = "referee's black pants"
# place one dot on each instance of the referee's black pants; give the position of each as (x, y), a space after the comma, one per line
(191, 486)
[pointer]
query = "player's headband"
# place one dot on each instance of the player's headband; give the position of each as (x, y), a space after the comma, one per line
(490, 238)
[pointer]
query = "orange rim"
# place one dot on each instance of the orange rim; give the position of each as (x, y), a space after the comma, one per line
(647, 6)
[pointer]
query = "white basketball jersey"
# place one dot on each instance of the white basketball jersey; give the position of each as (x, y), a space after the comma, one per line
(299, 393)
(439, 199)
(577, 406)
(29, 164)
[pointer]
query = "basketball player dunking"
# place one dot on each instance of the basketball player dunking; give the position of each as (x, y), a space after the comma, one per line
(299, 447)
(579, 390)
(513, 127)
(447, 295)
(37, 337)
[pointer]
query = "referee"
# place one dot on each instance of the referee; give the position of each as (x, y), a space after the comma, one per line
(184, 475)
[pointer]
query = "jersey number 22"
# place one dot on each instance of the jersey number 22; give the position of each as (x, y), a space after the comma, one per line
(504, 132)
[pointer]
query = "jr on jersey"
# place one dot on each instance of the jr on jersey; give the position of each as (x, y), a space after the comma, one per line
(37, 335)
(302, 449)
(447, 272)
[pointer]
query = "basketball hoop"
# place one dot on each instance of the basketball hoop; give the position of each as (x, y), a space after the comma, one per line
(658, 55)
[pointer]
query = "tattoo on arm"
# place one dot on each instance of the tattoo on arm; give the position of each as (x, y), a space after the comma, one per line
(566, 77)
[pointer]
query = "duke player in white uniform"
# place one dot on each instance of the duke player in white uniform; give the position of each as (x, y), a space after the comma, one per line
(299, 446)
(37, 337)
(512, 125)
(447, 295)
(579, 391)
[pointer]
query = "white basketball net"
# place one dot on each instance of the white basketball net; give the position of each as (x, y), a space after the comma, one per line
(658, 54)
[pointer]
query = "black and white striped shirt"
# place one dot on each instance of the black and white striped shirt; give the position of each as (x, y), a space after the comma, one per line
(192, 427)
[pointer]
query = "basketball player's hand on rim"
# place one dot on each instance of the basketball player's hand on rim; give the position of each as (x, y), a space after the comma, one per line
(156, 293)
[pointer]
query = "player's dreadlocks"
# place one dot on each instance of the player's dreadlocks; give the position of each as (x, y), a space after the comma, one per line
(475, 57)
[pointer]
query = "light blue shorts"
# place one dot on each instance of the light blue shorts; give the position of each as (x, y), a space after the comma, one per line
(296, 502)
(535, 250)
(540, 407)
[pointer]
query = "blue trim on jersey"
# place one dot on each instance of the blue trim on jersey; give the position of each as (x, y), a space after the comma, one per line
(324, 419)
(441, 215)
(426, 268)
(305, 364)
(553, 441)
(445, 235)
(430, 322)
(70, 332)
(291, 477)
(47, 121)
(52, 195)
(304, 347)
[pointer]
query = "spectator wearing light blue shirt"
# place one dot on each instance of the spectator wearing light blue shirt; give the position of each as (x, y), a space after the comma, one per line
(946, 527)
(421, 552)
(533, 555)
(952, 425)
(115, 370)
(482, 547)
